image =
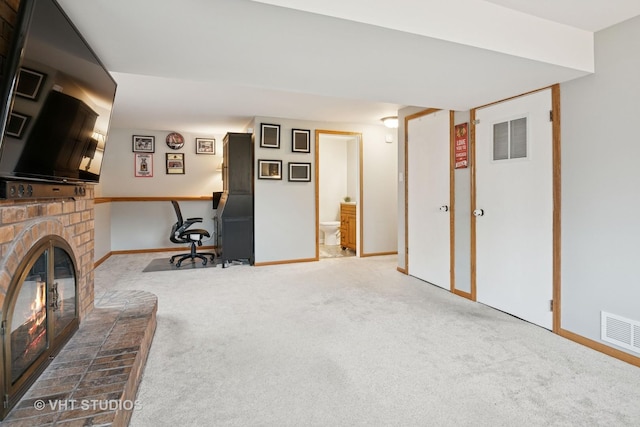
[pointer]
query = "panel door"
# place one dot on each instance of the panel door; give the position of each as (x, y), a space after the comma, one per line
(514, 207)
(428, 198)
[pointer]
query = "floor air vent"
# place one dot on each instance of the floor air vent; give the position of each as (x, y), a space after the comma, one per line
(620, 331)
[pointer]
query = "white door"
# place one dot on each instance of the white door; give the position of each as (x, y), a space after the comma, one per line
(514, 207)
(428, 198)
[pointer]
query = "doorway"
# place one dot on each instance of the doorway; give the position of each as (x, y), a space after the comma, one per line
(338, 189)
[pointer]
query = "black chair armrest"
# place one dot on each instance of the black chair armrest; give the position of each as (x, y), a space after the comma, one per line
(190, 221)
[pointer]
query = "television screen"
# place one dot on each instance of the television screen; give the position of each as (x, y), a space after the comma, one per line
(57, 102)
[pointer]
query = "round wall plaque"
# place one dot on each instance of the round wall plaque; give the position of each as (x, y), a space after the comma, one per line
(175, 140)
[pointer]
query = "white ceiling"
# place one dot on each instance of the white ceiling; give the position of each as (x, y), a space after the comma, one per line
(209, 66)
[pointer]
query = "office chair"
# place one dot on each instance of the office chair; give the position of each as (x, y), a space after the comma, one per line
(181, 233)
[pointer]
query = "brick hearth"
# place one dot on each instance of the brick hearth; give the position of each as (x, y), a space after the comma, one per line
(94, 379)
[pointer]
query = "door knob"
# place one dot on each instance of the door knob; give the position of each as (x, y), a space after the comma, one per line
(478, 212)
(444, 208)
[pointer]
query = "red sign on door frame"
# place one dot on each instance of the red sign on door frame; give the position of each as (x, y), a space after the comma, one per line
(461, 142)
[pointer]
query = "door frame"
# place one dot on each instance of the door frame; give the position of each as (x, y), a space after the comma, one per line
(556, 167)
(359, 202)
(451, 193)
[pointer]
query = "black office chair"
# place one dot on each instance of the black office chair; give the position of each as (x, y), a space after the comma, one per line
(181, 233)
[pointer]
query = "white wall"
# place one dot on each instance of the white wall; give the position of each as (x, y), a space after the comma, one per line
(146, 225)
(117, 179)
(400, 184)
(285, 211)
(102, 230)
(333, 176)
(380, 193)
(600, 182)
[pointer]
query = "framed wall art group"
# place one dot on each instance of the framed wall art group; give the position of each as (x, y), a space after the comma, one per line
(144, 147)
(272, 168)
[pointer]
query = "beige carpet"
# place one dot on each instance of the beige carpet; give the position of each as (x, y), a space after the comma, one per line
(352, 342)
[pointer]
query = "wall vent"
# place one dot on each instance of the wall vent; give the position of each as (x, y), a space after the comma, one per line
(622, 332)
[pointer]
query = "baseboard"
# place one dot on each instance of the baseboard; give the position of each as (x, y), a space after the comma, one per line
(101, 260)
(144, 251)
(598, 346)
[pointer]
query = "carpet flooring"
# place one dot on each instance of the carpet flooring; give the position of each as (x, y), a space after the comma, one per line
(352, 342)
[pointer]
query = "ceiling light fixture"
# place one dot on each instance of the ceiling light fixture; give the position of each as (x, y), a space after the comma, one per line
(390, 121)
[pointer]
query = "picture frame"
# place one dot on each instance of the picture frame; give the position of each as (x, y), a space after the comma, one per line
(17, 124)
(270, 169)
(143, 144)
(300, 140)
(30, 83)
(205, 146)
(143, 165)
(269, 135)
(300, 172)
(175, 163)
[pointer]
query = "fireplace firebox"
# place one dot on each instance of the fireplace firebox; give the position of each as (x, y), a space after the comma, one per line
(39, 315)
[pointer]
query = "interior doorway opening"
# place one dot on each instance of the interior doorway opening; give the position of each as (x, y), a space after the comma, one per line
(338, 193)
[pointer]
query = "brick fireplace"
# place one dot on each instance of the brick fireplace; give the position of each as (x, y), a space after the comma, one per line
(24, 223)
(46, 284)
(95, 376)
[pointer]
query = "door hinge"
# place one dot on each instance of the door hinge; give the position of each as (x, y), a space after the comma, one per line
(550, 115)
(550, 305)
(6, 401)
(3, 326)
(476, 122)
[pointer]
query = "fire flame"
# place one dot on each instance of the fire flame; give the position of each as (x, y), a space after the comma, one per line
(38, 307)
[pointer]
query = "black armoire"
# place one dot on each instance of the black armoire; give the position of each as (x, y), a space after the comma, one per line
(234, 218)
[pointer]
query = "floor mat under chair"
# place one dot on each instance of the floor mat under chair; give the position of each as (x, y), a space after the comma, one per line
(163, 264)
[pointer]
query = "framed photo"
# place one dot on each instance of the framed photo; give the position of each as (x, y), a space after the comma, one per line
(143, 165)
(205, 146)
(17, 124)
(29, 83)
(269, 135)
(300, 141)
(269, 169)
(144, 144)
(175, 163)
(300, 172)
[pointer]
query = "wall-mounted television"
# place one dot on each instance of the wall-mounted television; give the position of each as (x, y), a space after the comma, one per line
(56, 99)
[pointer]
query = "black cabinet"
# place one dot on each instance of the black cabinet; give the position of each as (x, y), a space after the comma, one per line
(234, 219)
(237, 163)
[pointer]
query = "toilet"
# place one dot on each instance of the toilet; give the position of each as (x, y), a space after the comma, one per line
(331, 231)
